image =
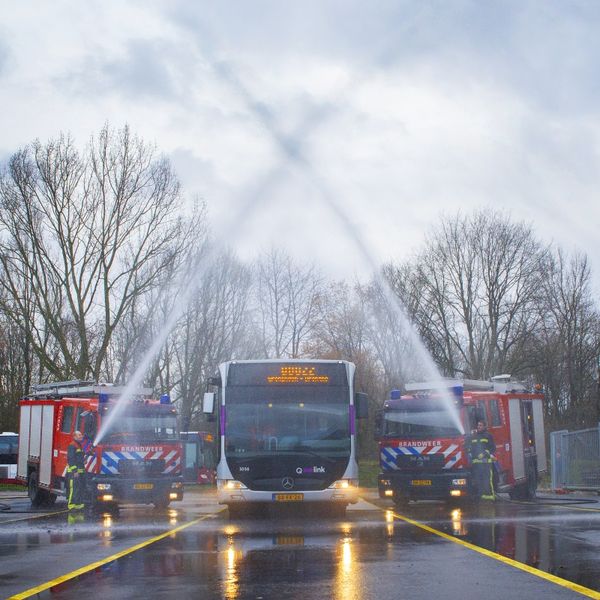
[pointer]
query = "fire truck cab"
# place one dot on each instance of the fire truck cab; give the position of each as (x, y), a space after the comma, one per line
(422, 447)
(137, 459)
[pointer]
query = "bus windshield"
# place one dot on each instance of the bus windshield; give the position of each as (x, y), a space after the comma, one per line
(419, 421)
(263, 420)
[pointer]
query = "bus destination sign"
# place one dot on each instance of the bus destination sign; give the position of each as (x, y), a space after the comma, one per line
(297, 374)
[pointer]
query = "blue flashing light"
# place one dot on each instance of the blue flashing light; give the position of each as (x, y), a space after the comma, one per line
(395, 395)
(457, 390)
(165, 399)
(102, 397)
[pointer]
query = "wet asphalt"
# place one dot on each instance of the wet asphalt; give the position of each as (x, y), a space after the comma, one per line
(372, 552)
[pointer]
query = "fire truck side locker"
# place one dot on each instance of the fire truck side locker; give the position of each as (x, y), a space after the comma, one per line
(516, 438)
(35, 442)
(47, 430)
(23, 454)
(540, 437)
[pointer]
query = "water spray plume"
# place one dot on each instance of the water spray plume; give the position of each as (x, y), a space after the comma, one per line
(291, 150)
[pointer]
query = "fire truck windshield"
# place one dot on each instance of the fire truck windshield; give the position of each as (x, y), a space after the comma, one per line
(409, 420)
(143, 428)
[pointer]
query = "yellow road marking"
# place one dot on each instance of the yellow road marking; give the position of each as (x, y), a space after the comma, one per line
(44, 586)
(508, 561)
(50, 514)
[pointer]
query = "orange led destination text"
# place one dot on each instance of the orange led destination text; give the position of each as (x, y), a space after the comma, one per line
(298, 375)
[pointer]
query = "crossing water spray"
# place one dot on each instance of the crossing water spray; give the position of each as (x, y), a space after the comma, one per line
(293, 156)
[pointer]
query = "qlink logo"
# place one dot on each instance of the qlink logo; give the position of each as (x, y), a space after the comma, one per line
(302, 470)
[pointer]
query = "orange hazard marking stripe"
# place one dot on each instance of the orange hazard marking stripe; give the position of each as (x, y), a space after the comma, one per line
(507, 561)
(99, 563)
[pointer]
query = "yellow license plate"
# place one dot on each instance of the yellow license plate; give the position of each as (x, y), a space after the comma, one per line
(289, 540)
(420, 482)
(143, 486)
(288, 497)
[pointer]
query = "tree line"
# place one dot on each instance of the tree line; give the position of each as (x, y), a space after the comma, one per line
(94, 241)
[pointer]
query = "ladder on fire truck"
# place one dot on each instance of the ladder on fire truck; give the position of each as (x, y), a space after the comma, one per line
(501, 384)
(78, 388)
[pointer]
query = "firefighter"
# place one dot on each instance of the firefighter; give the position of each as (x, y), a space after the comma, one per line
(76, 472)
(481, 449)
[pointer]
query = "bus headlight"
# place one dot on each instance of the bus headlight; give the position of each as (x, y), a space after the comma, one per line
(343, 484)
(232, 484)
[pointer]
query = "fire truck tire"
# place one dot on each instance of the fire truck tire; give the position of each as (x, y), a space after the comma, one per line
(531, 486)
(161, 503)
(37, 496)
(401, 501)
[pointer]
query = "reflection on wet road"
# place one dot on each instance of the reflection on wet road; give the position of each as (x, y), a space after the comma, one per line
(372, 553)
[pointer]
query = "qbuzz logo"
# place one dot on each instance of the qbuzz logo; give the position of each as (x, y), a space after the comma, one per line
(304, 470)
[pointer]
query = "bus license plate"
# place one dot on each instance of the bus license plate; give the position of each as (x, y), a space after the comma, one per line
(143, 486)
(288, 497)
(420, 482)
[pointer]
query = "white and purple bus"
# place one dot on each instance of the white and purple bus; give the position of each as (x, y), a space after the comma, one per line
(287, 432)
(9, 443)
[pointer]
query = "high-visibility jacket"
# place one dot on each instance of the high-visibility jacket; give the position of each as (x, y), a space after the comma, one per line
(480, 447)
(75, 458)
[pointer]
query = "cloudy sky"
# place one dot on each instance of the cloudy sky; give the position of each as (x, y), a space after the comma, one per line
(321, 125)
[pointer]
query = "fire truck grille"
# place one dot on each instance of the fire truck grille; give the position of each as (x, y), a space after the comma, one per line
(129, 467)
(421, 461)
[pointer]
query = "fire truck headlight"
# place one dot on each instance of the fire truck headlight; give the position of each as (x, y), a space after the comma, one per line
(389, 493)
(173, 496)
(343, 484)
(177, 485)
(103, 486)
(455, 492)
(232, 484)
(459, 482)
(106, 497)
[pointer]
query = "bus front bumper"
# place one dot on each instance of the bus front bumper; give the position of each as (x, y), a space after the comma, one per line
(229, 492)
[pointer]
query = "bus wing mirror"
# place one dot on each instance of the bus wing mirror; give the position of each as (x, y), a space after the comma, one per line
(361, 405)
(208, 403)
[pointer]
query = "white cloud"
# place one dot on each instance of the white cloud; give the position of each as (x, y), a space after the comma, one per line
(402, 109)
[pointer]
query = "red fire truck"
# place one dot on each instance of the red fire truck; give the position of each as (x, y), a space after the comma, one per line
(138, 459)
(422, 450)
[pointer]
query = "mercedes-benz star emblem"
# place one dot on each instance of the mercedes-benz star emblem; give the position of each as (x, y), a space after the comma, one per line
(287, 483)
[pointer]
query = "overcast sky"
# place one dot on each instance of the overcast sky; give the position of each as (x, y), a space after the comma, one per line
(279, 113)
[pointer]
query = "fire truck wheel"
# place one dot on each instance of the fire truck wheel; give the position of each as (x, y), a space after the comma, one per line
(401, 501)
(161, 503)
(531, 488)
(37, 496)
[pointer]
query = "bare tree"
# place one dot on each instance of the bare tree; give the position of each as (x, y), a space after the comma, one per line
(84, 235)
(288, 296)
(478, 279)
(566, 346)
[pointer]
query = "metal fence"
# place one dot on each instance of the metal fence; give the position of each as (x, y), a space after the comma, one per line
(575, 459)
